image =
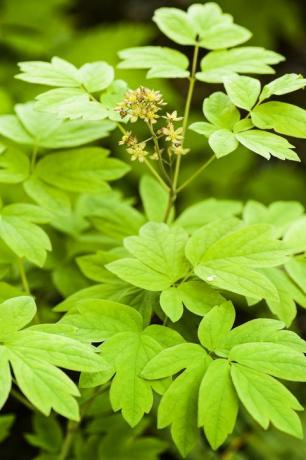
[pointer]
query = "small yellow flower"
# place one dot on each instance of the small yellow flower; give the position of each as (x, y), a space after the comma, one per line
(138, 152)
(172, 116)
(172, 134)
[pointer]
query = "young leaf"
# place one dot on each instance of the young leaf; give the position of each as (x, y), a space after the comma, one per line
(14, 166)
(274, 359)
(220, 111)
(267, 400)
(154, 198)
(16, 313)
(267, 144)
(297, 270)
(218, 404)
(242, 91)
(283, 85)
(6, 380)
(217, 65)
(176, 25)
(96, 76)
(171, 303)
(223, 142)
(215, 326)
(160, 258)
(199, 297)
(82, 170)
(162, 62)
(57, 73)
(284, 118)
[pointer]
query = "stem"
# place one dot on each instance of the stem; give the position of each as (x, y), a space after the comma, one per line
(73, 426)
(23, 400)
(155, 173)
(192, 81)
(23, 276)
(197, 173)
(156, 144)
(34, 156)
(119, 126)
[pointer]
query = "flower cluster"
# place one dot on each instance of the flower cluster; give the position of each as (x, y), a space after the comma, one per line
(141, 103)
(173, 135)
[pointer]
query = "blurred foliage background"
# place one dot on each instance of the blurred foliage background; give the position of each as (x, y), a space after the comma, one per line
(87, 30)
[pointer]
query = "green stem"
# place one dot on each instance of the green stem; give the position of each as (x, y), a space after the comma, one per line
(72, 427)
(23, 400)
(197, 173)
(23, 276)
(155, 173)
(156, 144)
(192, 81)
(34, 156)
(122, 129)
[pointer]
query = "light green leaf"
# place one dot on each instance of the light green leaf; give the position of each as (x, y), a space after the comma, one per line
(13, 129)
(206, 211)
(215, 29)
(202, 127)
(215, 326)
(284, 118)
(171, 303)
(14, 166)
(96, 76)
(176, 25)
(80, 170)
(271, 358)
(40, 125)
(154, 198)
(289, 293)
(162, 62)
(160, 258)
(45, 386)
(71, 103)
(57, 73)
(283, 85)
(25, 239)
(199, 297)
(16, 313)
(264, 330)
(296, 268)
(220, 111)
(217, 65)
(295, 236)
(218, 404)
(267, 400)
(6, 380)
(242, 91)
(267, 144)
(223, 142)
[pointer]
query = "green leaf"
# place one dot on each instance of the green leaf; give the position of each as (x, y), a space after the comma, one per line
(223, 142)
(160, 258)
(14, 166)
(171, 303)
(274, 359)
(16, 313)
(267, 400)
(296, 268)
(220, 111)
(202, 127)
(217, 65)
(82, 170)
(199, 297)
(13, 129)
(6, 380)
(215, 29)
(57, 73)
(96, 76)
(206, 211)
(242, 91)
(47, 433)
(154, 198)
(267, 144)
(283, 85)
(264, 330)
(289, 293)
(215, 326)
(218, 404)
(162, 62)
(71, 103)
(280, 214)
(176, 25)
(295, 236)
(284, 118)
(24, 238)
(6, 422)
